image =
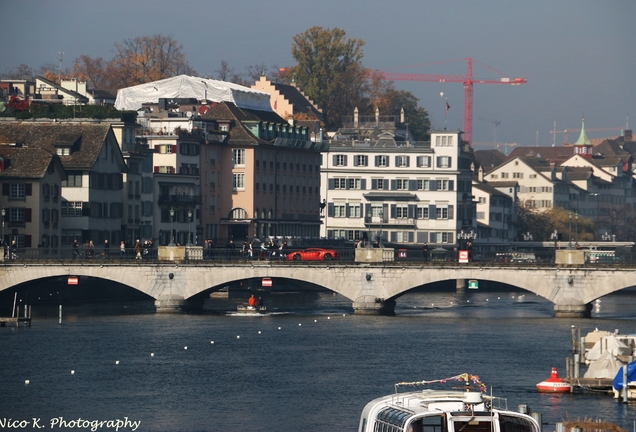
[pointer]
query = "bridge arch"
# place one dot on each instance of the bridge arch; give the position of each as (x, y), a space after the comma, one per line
(369, 286)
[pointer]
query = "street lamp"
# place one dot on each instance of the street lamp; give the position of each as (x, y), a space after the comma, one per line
(597, 211)
(381, 214)
(189, 221)
(4, 212)
(171, 222)
(576, 227)
(570, 218)
(369, 216)
(465, 236)
(555, 236)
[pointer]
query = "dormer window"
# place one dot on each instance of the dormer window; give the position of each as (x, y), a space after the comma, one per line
(63, 151)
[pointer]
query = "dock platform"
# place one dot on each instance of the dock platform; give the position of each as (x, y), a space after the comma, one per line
(596, 384)
(15, 321)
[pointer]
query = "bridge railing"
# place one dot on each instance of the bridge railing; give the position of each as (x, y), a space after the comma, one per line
(346, 255)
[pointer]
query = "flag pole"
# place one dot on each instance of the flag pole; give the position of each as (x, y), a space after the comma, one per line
(446, 114)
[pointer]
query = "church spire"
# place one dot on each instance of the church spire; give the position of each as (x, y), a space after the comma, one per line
(583, 140)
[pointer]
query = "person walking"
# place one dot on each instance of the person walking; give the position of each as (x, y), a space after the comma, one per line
(138, 250)
(75, 249)
(106, 248)
(122, 248)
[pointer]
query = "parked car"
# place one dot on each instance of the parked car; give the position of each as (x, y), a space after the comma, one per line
(312, 254)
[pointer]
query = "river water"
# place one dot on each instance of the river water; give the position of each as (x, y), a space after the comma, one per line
(309, 365)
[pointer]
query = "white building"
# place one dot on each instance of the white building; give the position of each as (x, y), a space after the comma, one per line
(403, 192)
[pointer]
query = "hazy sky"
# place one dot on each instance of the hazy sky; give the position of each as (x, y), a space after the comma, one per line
(578, 55)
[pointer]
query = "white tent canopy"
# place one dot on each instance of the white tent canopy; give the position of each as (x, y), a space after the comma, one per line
(184, 86)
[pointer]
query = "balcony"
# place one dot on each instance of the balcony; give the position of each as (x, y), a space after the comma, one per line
(179, 200)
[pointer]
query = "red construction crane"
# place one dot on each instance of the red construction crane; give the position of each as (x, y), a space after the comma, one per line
(468, 82)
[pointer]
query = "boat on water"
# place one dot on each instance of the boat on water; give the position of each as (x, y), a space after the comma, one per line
(431, 410)
(251, 309)
(554, 384)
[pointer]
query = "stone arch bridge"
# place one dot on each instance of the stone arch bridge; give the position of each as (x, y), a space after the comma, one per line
(372, 288)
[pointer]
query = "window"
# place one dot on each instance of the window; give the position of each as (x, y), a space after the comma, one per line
(382, 161)
(402, 184)
(402, 236)
(443, 141)
(379, 184)
(423, 185)
(17, 191)
(63, 151)
(339, 210)
(422, 212)
(504, 175)
(16, 215)
(441, 212)
(340, 183)
(355, 211)
(238, 157)
(376, 211)
(444, 185)
(166, 148)
(401, 212)
(73, 179)
(532, 176)
(361, 160)
(340, 160)
(517, 175)
(443, 162)
(354, 183)
(238, 181)
(424, 161)
(402, 161)
(71, 208)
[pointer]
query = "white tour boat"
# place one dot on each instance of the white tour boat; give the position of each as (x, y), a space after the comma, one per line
(431, 410)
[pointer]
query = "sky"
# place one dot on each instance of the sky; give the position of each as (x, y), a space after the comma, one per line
(577, 55)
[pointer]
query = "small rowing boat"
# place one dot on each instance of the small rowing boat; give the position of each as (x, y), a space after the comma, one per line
(251, 309)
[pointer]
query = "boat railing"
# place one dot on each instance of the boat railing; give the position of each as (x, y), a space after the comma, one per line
(497, 402)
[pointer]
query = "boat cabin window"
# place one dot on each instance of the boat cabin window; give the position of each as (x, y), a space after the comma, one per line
(428, 424)
(473, 426)
(515, 424)
(390, 420)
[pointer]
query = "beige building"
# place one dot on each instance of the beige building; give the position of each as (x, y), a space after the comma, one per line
(31, 201)
(261, 177)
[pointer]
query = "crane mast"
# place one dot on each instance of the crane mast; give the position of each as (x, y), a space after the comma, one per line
(468, 81)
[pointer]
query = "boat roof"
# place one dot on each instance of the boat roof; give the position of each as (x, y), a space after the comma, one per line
(430, 402)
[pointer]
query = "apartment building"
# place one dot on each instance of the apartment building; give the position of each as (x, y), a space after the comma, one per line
(398, 191)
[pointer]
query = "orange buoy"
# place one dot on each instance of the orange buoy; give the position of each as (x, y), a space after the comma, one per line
(554, 384)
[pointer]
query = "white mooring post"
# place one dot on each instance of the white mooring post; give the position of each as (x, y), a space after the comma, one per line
(60, 315)
(625, 384)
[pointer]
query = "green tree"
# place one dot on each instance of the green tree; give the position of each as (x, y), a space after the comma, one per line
(416, 117)
(328, 71)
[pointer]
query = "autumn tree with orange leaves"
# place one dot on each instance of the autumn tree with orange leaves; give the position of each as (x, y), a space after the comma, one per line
(136, 61)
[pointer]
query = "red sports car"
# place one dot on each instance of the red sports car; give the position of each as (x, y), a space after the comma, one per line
(312, 254)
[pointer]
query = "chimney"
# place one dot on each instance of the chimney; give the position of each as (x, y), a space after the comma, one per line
(627, 135)
(402, 115)
(377, 115)
(355, 117)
